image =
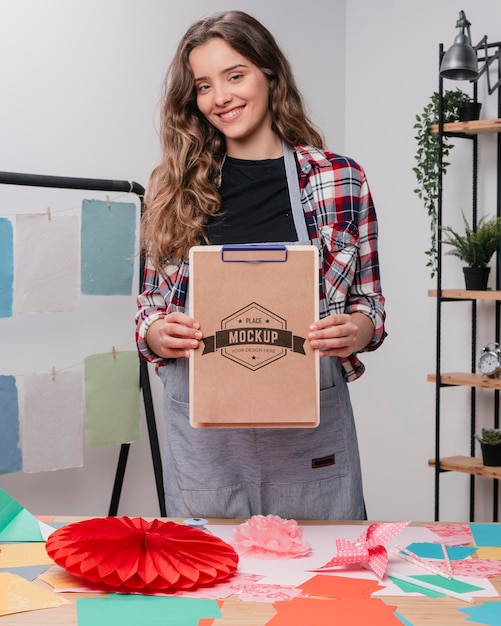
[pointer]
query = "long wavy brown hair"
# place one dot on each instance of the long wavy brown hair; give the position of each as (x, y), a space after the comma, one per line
(182, 193)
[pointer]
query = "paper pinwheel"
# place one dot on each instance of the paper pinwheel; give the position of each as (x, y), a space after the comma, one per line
(368, 549)
(131, 554)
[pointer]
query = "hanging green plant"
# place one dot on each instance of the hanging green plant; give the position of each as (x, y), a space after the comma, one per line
(427, 155)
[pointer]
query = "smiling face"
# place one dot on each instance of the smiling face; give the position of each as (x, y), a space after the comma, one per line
(233, 94)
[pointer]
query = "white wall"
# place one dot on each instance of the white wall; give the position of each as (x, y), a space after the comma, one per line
(79, 84)
(391, 70)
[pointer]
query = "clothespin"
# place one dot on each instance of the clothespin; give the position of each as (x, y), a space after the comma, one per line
(49, 216)
(53, 374)
(108, 201)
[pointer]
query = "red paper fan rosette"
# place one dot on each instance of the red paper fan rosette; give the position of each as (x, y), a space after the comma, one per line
(131, 554)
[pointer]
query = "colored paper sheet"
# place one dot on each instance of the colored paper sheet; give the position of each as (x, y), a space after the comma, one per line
(488, 613)
(323, 542)
(434, 551)
(6, 267)
(486, 534)
(17, 595)
(16, 523)
(477, 567)
(108, 236)
(24, 555)
(270, 593)
(237, 583)
(489, 553)
(131, 610)
(10, 452)
(112, 398)
(53, 422)
(404, 621)
(62, 581)
(208, 621)
(339, 587)
(452, 534)
(355, 612)
(46, 263)
(458, 586)
(28, 572)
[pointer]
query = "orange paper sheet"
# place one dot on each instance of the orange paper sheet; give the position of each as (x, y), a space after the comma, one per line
(23, 554)
(339, 587)
(352, 611)
(18, 595)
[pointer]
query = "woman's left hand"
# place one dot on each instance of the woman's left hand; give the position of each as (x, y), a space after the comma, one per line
(341, 334)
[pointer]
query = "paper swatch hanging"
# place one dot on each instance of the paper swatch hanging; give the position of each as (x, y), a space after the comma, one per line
(108, 234)
(53, 422)
(132, 554)
(10, 452)
(47, 263)
(112, 398)
(6, 267)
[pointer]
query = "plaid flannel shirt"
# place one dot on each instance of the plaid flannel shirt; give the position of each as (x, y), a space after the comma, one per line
(341, 222)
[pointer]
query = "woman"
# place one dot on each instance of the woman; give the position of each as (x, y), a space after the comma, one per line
(232, 115)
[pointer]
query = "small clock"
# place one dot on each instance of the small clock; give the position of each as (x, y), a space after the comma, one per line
(489, 362)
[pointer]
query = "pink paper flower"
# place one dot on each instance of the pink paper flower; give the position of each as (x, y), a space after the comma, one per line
(270, 537)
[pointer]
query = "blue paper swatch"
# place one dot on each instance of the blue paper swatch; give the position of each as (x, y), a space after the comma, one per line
(486, 535)
(434, 551)
(108, 235)
(10, 453)
(6, 267)
(488, 613)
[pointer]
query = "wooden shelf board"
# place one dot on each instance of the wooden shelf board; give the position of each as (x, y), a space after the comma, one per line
(473, 127)
(467, 465)
(466, 379)
(467, 294)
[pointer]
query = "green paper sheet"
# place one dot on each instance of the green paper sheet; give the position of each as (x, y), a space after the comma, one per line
(112, 398)
(458, 586)
(135, 610)
(16, 523)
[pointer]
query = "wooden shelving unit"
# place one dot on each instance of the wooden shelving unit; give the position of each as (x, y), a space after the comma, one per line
(473, 127)
(464, 294)
(466, 464)
(465, 379)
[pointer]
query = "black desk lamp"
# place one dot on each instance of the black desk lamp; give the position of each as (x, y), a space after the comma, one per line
(460, 62)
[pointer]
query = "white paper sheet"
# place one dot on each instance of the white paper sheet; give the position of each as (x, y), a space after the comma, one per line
(322, 539)
(53, 422)
(46, 274)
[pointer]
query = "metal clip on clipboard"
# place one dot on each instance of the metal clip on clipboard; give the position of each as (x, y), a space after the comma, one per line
(254, 253)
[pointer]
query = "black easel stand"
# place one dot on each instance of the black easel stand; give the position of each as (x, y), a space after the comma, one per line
(62, 182)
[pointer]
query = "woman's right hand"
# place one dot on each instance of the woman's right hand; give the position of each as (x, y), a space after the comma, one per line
(173, 336)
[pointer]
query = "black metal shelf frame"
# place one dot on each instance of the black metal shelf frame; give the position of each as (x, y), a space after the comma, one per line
(473, 302)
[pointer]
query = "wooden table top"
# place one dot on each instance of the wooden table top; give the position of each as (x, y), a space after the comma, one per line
(419, 610)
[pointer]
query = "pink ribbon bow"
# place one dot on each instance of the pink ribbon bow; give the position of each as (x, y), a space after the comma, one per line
(367, 549)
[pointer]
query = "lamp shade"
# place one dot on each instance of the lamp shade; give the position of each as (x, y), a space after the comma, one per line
(460, 61)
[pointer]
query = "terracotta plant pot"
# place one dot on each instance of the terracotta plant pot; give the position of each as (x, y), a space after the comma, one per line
(491, 455)
(476, 278)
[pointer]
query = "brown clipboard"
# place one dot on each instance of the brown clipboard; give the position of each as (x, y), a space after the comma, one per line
(254, 367)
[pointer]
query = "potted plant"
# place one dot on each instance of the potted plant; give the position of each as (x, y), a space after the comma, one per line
(490, 443)
(475, 248)
(427, 157)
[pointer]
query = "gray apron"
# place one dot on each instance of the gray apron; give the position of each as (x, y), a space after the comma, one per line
(296, 473)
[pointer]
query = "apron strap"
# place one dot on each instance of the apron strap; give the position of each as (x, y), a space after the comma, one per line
(295, 196)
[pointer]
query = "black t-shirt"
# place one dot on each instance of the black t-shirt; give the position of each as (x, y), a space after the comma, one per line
(256, 204)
